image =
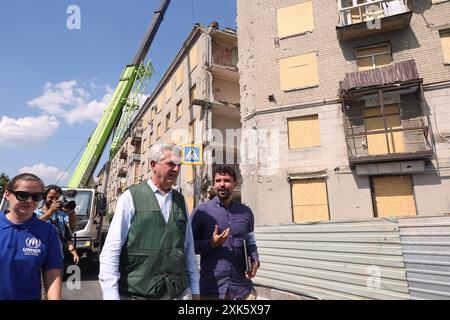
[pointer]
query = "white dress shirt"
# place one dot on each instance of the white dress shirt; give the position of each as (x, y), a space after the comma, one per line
(117, 234)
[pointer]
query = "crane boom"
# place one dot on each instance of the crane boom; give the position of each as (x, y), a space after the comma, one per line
(98, 140)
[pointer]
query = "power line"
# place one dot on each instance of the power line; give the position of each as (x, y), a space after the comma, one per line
(70, 164)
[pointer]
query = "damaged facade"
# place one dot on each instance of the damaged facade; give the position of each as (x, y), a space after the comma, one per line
(196, 101)
(349, 107)
(348, 104)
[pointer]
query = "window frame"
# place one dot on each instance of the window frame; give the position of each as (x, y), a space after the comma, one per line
(373, 56)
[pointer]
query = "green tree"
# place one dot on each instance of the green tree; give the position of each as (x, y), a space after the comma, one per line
(4, 179)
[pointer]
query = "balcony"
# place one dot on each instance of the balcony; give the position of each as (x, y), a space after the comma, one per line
(123, 154)
(224, 55)
(122, 173)
(135, 158)
(363, 18)
(385, 118)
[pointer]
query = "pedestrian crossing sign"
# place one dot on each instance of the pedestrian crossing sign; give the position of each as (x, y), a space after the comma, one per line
(192, 154)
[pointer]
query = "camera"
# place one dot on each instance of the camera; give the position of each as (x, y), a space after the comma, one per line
(68, 200)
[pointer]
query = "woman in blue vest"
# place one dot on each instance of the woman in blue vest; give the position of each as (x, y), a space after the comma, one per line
(28, 246)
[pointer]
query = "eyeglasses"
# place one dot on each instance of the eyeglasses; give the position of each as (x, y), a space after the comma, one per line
(24, 196)
(171, 165)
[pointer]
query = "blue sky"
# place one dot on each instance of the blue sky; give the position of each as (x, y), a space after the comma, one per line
(55, 82)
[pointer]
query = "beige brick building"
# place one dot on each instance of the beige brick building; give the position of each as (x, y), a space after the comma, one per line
(196, 101)
(344, 117)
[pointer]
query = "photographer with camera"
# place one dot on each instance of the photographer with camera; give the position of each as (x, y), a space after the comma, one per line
(61, 215)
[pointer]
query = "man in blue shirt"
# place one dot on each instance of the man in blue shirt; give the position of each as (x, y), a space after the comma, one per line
(53, 213)
(27, 246)
(221, 228)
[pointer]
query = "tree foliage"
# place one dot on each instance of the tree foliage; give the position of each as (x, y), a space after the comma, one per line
(4, 179)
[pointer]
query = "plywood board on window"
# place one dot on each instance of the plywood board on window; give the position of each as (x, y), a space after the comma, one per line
(169, 90)
(373, 50)
(190, 204)
(393, 196)
(158, 131)
(295, 19)
(304, 132)
(160, 102)
(299, 72)
(193, 93)
(309, 200)
(193, 57)
(179, 77)
(189, 173)
(383, 60)
(377, 143)
(364, 63)
(445, 42)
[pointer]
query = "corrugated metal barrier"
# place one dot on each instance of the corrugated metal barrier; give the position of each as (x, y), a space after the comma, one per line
(426, 250)
(333, 260)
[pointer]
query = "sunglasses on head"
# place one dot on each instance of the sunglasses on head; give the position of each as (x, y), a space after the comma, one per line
(24, 196)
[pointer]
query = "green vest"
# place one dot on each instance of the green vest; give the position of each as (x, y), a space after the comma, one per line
(152, 260)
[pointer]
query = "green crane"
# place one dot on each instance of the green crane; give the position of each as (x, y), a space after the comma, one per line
(135, 76)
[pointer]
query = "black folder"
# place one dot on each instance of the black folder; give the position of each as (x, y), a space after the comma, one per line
(248, 264)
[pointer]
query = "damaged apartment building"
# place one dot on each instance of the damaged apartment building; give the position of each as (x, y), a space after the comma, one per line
(195, 102)
(348, 103)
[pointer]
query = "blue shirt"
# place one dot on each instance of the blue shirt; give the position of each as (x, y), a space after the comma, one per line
(26, 250)
(58, 219)
(222, 268)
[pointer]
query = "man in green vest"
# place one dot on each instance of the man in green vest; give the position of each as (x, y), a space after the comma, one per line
(149, 250)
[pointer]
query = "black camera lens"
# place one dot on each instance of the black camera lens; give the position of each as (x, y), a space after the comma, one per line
(69, 205)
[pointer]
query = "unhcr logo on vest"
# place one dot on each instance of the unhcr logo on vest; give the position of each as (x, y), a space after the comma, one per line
(33, 245)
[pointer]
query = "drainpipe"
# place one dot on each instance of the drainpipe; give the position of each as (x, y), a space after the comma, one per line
(210, 99)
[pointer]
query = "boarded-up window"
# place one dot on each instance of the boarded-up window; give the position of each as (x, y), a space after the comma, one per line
(299, 72)
(377, 142)
(309, 200)
(295, 19)
(190, 204)
(393, 196)
(180, 75)
(189, 173)
(445, 42)
(158, 131)
(167, 121)
(169, 90)
(193, 58)
(373, 57)
(179, 109)
(304, 132)
(160, 102)
(153, 112)
(192, 132)
(192, 94)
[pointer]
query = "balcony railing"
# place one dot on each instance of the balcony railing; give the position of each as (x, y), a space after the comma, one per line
(122, 172)
(368, 10)
(389, 125)
(360, 18)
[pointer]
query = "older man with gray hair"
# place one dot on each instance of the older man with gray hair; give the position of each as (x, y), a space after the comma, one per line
(149, 250)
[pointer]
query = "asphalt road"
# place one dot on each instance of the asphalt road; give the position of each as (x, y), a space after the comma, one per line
(81, 286)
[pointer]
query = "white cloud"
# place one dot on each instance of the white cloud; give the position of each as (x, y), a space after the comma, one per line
(47, 173)
(68, 101)
(26, 131)
(92, 110)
